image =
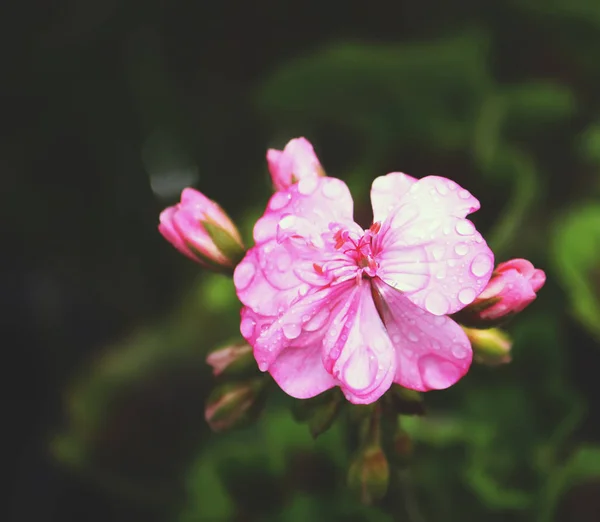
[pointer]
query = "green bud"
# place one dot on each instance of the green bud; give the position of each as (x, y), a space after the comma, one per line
(319, 412)
(235, 404)
(490, 347)
(233, 360)
(369, 474)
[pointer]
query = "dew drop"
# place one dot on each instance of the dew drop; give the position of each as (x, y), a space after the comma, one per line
(459, 351)
(263, 366)
(332, 188)
(461, 249)
(436, 303)
(435, 344)
(243, 275)
(441, 273)
(279, 200)
(287, 221)
(466, 295)
(291, 330)
(247, 327)
(413, 337)
(307, 185)
(442, 188)
(481, 265)
(318, 320)
(360, 370)
(438, 252)
(437, 373)
(464, 194)
(396, 338)
(464, 227)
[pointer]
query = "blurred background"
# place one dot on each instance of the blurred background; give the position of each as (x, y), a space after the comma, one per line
(111, 107)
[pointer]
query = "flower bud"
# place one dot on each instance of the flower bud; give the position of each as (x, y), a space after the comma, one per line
(232, 360)
(490, 347)
(295, 162)
(201, 230)
(369, 474)
(319, 412)
(235, 404)
(511, 289)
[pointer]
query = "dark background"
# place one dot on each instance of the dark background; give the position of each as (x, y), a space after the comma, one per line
(110, 108)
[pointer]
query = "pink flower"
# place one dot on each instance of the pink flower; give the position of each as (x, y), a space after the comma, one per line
(201, 230)
(327, 303)
(512, 288)
(295, 162)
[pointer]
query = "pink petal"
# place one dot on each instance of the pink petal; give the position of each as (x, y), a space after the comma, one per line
(169, 232)
(432, 352)
(538, 279)
(357, 350)
(322, 201)
(299, 371)
(189, 227)
(386, 192)
(429, 252)
(257, 291)
(296, 162)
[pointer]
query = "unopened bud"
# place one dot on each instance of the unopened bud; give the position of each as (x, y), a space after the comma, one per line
(369, 474)
(297, 161)
(235, 404)
(319, 412)
(200, 229)
(232, 360)
(511, 289)
(491, 346)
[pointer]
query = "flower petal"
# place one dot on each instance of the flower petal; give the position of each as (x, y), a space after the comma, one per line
(260, 293)
(386, 192)
(430, 252)
(357, 350)
(432, 352)
(299, 371)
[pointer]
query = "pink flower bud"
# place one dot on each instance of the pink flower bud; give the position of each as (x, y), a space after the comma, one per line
(512, 287)
(295, 162)
(201, 230)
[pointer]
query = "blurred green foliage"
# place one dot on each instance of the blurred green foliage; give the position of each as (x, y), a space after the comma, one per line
(505, 443)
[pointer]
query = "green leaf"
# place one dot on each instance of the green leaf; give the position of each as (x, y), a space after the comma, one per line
(576, 247)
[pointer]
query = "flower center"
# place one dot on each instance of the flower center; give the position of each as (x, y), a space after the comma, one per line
(360, 250)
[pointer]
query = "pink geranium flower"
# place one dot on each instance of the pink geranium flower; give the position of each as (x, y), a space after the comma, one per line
(295, 162)
(327, 303)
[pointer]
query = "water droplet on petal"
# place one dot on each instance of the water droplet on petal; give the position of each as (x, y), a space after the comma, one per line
(459, 351)
(481, 265)
(318, 320)
(464, 227)
(291, 330)
(247, 327)
(435, 344)
(279, 200)
(464, 194)
(263, 366)
(438, 373)
(436, 303)
(307, 185)
(438, 252)
(413, 337)
(442, 188)
(332, 188)
(243, 275)
(287, 221)
(467, 295)
(360, 370)
(461, 249)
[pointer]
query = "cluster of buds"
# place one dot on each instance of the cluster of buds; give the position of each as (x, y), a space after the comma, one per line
(200, 229)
